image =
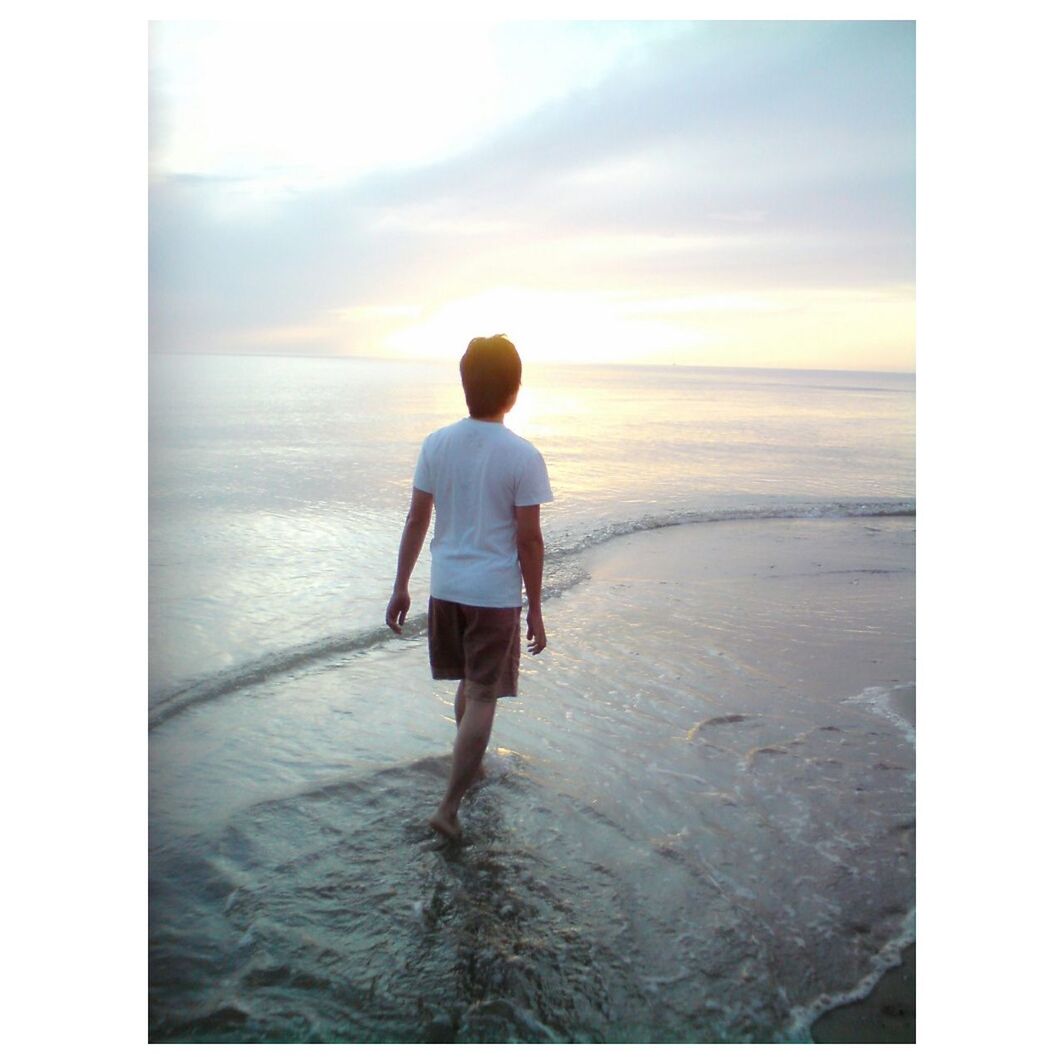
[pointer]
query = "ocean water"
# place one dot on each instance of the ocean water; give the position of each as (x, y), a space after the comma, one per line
(698, 819)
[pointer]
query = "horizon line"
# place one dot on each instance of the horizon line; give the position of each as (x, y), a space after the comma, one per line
(432, 360)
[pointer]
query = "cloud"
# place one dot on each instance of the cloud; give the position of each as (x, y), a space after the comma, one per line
(727, 157)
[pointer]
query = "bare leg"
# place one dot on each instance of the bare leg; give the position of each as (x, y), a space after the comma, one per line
(469, 746)
(459, 704)
(459, 712)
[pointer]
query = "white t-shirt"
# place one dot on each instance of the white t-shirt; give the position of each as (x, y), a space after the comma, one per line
(477, 472)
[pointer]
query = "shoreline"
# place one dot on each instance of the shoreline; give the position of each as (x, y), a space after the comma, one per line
(886, 1015)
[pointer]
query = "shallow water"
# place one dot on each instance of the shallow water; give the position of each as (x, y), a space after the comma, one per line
(698, 823)
(698, 820)
(279, 485)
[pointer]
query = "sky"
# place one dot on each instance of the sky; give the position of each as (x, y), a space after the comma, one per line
(706, 193)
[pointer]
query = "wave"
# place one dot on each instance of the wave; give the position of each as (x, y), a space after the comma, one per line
(270, 665)
(825, 508)
(802, 1017)
(880, 700)
(561, 573)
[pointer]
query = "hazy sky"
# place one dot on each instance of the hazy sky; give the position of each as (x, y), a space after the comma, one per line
(698, 192)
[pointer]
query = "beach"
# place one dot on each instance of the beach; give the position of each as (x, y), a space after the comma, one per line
(699, 813)
(722, 867)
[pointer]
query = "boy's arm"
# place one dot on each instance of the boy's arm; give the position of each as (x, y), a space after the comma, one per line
(417, 524)
(530, 554)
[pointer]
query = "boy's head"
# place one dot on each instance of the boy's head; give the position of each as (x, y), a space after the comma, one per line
(491, 375)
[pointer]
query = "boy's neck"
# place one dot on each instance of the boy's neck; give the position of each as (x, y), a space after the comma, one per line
(497, 418)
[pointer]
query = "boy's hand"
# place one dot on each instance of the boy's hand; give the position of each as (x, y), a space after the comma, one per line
(537, 634)
(398, 605)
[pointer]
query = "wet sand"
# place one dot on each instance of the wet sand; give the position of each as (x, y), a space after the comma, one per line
(888, 1014)
(745, 551)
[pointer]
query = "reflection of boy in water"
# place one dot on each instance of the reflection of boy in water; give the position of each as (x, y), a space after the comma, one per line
(487, 485)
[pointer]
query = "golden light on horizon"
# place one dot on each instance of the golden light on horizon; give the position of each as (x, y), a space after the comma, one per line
(546, 326)
(755, 328)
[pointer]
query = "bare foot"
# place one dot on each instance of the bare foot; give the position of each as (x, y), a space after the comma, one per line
(445, 825)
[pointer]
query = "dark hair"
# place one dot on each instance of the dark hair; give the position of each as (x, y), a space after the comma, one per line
(491, 374)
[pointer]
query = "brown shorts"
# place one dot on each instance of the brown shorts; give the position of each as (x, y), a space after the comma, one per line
(478, 644)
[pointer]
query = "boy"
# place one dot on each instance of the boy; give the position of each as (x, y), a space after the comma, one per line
(487, 485)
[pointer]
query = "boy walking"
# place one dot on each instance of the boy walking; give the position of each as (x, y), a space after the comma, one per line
(486, 484)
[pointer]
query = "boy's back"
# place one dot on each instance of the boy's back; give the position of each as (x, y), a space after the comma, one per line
(477, 472)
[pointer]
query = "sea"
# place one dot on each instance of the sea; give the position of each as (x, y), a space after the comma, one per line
(698, 819)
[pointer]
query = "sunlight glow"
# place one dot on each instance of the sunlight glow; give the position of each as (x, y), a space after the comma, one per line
(552, 326)
(787, 328)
